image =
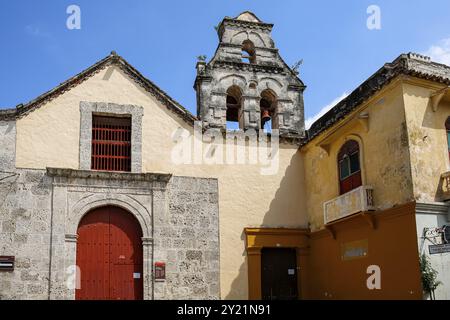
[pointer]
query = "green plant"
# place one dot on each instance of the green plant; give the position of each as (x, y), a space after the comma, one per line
(429, 276)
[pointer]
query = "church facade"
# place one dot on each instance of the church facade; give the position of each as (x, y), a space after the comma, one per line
(110, 189)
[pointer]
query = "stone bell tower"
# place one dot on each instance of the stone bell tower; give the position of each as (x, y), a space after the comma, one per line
(248, 83)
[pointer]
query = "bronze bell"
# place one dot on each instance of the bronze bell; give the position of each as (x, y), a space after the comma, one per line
(265, 116)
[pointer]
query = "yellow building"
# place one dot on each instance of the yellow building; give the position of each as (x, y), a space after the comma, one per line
(396, 121)
(339, 211)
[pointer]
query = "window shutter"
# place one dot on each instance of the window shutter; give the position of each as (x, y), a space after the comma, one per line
(111, 143)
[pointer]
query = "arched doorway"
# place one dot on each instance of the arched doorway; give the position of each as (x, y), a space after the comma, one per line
(109, 255)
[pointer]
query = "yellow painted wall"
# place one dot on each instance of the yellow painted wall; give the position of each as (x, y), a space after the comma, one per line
(384, 155)
(49, 137)
(427, 138)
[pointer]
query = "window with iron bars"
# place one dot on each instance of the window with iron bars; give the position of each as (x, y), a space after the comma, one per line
(111, 143)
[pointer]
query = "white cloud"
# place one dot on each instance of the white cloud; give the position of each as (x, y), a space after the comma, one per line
(324, 110)
(440, 52)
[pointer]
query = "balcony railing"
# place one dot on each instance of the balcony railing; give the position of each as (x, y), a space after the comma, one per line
(354, 201)
(445, 183)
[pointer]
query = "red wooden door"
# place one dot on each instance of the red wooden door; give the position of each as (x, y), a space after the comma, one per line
(109, 255)
(352, 182)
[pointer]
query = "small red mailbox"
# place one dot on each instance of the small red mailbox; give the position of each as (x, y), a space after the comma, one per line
(160, 271)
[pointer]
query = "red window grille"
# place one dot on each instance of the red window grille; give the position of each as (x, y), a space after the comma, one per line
(111, 143)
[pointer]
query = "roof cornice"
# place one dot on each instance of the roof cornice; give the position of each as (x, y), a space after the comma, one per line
(7, 114)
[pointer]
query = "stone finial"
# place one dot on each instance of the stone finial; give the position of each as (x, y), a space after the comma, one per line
(248, 16)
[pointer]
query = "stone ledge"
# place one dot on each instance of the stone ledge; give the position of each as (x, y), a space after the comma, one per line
(441, 208)
(105, 175)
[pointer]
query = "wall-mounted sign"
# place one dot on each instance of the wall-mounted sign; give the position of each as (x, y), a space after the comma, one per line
(7, 263)
(160, 270)
(354, 249)
(439, 248)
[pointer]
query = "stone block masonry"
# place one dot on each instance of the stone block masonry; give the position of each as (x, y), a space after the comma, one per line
(187, 237)
(40, 211)
(25, 219)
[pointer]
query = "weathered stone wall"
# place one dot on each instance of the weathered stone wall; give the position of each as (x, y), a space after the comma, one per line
(187, 239)
(40, 211)
(268, 73)
(25, 211)
(7, 145)
(24, 223)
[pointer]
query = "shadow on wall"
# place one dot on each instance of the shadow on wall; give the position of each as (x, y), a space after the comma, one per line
(430, 118)
(239, 286)
(286, 210)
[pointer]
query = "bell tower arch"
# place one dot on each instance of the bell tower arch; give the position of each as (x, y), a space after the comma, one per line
(247, 61)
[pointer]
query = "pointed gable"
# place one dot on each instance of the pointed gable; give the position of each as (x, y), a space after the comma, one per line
(112, 60)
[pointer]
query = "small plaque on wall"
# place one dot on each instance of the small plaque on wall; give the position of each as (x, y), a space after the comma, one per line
(439, 248)
(160, 271)
(354, 250)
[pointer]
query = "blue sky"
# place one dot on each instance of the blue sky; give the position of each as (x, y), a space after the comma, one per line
(163, 38)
